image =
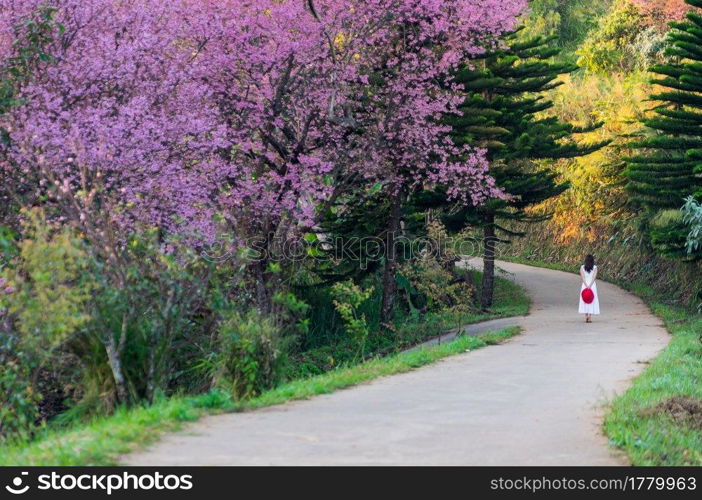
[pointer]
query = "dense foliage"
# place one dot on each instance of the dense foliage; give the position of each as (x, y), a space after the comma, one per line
(667, 171)
(216, 194)
(625, 200)
(504, 112)
(162, 161)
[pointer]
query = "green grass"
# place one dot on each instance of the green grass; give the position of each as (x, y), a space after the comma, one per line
(102, 441)
(634, 421)
(509, 298)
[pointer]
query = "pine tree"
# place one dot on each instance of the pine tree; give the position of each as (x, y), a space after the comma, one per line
(502, 113)
(668, 167)
(350, 235)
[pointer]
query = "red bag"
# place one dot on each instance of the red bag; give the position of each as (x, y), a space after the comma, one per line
(588, 295)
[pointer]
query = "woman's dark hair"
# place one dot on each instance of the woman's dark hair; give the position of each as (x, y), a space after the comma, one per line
(589, 263)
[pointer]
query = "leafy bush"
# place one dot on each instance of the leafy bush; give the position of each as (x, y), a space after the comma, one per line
(19, 404)
(625, 41)
(692, 216)
(326, 327)
(604, 50)
(50, 288)
(249, 357)
(349, 297)
(438, 289)
(571, 20)
(434, 284)
(150, 309)
(647, 48)
(43, 303)
(668, 233)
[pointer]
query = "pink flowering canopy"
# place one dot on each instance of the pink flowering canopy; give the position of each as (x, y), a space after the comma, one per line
(119, 118)
(168, 113)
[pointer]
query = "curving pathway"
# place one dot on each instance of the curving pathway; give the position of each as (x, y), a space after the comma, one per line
(535, 400)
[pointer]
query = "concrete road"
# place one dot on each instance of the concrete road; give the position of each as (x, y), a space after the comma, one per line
(535, 400)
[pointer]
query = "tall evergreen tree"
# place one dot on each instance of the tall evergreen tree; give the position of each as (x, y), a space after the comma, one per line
(668, 166)
(505, 96)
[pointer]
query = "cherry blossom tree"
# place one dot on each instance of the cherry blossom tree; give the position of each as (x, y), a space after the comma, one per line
(326, 92)
(197, 117)
(114, 134)
(114, 125)
(185, 114)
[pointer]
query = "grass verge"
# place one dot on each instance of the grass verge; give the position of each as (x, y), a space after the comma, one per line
(103, 440)
(658, 420)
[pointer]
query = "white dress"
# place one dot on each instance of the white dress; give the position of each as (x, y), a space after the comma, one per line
(594, 306)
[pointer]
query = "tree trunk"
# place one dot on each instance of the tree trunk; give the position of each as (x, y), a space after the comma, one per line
(151, 374)
(115, 359)
(389, 283)
(489, 243)
(265, 283)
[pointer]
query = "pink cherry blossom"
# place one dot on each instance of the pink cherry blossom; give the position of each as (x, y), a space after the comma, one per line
(183, 114)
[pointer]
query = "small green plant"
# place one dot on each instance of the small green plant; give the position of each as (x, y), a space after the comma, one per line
(433, 275)
(49, 289)
(249, 356)
(348, 298)
(692, 217)
(571, 20)
(291, 313)
(440, 290)
(669, 234)
(19, 404)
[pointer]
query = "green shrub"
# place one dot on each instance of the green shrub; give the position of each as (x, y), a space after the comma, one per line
(433, 282)
(19, 405)
(51, 292)
(43, 303)
(604, 50)
(437, 288)
(249, 356)
(325, 326)
(571, 20)
(692, 217)
(623, 42)
(348, 298)
(149, 311)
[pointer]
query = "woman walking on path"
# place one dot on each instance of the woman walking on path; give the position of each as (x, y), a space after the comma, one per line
(588, 275)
